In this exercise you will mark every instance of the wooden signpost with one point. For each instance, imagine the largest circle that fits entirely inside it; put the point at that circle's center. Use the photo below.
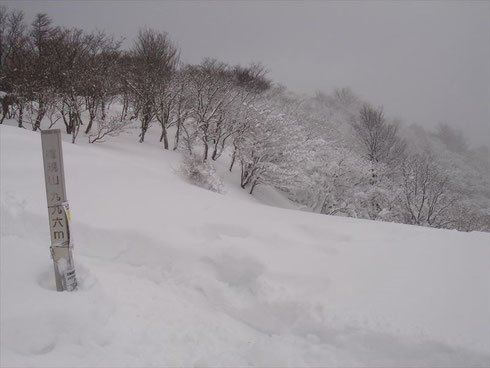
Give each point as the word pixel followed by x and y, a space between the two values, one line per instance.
pixel 58 211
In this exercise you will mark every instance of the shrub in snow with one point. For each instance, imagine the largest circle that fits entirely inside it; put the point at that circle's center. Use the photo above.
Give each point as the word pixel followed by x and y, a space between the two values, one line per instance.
pixel 107 126
pixel 201 173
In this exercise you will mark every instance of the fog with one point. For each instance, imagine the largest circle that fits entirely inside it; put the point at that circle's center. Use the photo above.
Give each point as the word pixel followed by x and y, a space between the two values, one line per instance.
pixel 424 62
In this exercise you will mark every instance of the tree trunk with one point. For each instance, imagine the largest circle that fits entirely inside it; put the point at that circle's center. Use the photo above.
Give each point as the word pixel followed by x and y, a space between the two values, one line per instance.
pixel 90 122
pixel 39 117
pixel 144 127
pixel 206 151
pixel 164 137
pixel 177 135
pixel 233 158
pixel 142 134
pixel 5 110
pixel 124 111
pixel 253 186
pixel 66 121
pixel 21 116
pixel 76 124
pixel 324 204
pixel 92 113
pixel 215 156
pixel 244 177
pixel 102 109
pixel 145 122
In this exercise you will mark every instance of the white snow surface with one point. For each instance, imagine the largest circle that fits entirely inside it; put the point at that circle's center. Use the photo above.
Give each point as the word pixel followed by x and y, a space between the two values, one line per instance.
pixel 174 275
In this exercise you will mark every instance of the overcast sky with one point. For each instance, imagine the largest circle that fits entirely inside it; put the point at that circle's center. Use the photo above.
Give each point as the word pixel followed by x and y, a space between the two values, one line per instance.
pixel 425 62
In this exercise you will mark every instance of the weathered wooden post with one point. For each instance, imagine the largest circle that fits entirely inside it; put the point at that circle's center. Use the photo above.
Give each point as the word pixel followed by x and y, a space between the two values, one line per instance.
pixel 58 211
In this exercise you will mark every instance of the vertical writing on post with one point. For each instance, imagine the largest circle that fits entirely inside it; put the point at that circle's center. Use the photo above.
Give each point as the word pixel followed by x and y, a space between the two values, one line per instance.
pixel 58 211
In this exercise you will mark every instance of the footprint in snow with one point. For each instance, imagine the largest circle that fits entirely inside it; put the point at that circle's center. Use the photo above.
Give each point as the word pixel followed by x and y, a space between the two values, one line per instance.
pixel 236 270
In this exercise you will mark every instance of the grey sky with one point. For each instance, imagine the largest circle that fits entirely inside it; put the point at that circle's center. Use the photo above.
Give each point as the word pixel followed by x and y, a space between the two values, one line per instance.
pixel 426 62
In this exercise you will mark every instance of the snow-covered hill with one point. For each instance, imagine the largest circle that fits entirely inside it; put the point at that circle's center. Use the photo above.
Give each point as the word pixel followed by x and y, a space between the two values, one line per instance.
pixel 173 275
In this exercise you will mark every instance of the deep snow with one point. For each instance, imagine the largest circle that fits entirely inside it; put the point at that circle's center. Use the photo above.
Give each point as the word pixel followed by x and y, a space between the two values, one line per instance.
pixel 173 275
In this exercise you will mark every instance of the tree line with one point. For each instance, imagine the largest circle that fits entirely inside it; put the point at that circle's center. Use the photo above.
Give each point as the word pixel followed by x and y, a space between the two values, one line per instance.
pixel 332 153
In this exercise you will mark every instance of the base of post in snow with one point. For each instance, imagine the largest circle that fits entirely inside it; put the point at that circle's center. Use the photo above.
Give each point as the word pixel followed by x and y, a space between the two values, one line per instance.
pixel 64 268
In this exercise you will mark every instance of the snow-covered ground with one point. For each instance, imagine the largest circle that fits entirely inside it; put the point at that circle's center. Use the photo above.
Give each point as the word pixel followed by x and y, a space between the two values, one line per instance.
pixel 173 275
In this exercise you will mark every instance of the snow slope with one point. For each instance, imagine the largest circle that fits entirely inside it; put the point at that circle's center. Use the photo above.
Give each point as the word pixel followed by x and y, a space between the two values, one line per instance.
pixel 173 275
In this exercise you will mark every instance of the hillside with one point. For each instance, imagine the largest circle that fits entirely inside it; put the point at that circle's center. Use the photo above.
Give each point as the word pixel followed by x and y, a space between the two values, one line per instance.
pixel 174 275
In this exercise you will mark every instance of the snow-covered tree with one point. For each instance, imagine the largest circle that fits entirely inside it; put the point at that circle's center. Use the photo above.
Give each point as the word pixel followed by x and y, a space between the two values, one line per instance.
pixel 266 152
pixel 378 139
pixel 212 93
pixel 452 138
pixel 426 198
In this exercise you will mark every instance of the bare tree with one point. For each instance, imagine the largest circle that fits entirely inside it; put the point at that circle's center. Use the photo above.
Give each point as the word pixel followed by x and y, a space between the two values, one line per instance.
pixel 426 196
pixel 14 62
pixel 153 60
pixel 72 49
pixel 181 106
pixel 452 138
pixel 101 78
pixel 171 106
pixel 219 96
pixel 210 92
pixel 12 34
pixel 377 138
pixel 249 83
pixel 41 89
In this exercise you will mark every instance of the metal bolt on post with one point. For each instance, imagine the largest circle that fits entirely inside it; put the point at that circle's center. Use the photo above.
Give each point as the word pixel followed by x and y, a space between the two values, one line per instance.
pixel 58 211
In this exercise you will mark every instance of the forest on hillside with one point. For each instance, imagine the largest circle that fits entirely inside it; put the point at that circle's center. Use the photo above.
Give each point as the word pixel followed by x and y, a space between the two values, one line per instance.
pixel 333 153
